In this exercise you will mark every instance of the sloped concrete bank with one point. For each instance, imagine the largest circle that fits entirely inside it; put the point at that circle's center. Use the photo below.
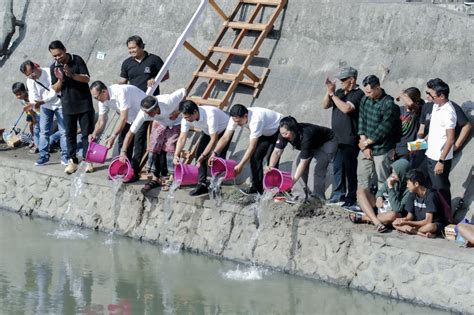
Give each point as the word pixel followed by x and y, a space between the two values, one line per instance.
pixel 318 244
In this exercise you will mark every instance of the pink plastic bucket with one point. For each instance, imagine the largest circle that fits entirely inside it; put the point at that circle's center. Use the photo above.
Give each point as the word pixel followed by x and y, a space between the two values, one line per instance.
pixel 96 153
pixel 276 178
pixel 186 174
pixel 118 169
pixel 225 167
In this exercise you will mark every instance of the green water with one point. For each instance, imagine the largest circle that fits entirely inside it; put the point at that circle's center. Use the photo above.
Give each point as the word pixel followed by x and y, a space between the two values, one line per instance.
pixel 45 269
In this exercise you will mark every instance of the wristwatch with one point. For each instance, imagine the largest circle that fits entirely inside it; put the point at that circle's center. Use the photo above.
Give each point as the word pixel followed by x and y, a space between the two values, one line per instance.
pixel 441 161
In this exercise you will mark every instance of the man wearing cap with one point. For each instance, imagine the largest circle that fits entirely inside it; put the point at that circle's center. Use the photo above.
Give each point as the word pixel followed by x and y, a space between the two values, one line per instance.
pixel 161 108
pixel 345 114
pixel 122 98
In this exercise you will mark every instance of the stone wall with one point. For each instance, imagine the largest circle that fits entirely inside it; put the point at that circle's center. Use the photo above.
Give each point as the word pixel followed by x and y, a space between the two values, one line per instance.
pixel 314 243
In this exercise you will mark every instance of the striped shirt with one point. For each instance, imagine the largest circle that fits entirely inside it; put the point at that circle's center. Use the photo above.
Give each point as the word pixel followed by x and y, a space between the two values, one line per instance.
pixel 377 124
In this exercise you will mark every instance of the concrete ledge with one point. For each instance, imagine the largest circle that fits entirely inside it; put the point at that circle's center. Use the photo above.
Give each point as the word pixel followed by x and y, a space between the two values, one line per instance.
pixel 323 246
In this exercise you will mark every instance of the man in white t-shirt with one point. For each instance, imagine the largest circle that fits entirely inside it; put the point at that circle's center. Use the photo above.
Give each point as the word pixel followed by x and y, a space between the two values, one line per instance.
pixel 441 137
pixel 263 125
pixel 125 101
pixel 161 108
pixel 47 102
pixel 212 122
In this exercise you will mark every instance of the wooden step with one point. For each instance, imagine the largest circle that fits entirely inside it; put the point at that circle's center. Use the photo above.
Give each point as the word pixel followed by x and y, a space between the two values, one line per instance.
pixel 215 75
pixel 205 101
pixel 263 2
pixel 233 51
pixel 246 26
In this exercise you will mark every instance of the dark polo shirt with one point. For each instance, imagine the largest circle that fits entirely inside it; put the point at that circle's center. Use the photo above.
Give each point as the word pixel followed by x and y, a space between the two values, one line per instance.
pixel 310 138
pixel 138 73
pixel 75 96
pixel 345 125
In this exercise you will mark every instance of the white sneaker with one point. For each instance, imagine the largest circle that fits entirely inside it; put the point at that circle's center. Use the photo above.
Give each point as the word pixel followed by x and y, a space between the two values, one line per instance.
pixel 71 167
pixel 89 168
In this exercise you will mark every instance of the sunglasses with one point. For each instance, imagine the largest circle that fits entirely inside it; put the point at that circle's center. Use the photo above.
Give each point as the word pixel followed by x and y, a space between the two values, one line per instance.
pixel 429 94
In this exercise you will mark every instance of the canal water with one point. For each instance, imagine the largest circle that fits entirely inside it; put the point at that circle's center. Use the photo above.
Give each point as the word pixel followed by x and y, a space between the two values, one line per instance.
pixel 46 268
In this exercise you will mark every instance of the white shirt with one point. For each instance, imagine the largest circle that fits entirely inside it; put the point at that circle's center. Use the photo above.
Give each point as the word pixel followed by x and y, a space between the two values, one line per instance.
pixel 168 103
pixel 211 120
pixel 36 92
pixel 442 118
pixel 123 97
pixel 261 122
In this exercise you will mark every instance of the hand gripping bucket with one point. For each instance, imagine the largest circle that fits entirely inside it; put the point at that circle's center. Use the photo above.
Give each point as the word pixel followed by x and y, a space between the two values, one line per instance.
pixel 96 153
pixel 186 174
pixel 225 167
pixel 276 178
pixel 118 169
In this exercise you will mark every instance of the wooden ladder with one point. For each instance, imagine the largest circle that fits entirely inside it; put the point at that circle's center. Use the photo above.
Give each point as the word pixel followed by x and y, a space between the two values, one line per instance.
pixel 216 72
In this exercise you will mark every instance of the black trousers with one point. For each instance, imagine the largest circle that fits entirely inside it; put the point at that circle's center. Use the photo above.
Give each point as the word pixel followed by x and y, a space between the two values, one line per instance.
pixel 86 124
pixel 440 182
pixel 203 142
pixel 264 149
pixel 345 170
pixel 121 138
pixel 139 146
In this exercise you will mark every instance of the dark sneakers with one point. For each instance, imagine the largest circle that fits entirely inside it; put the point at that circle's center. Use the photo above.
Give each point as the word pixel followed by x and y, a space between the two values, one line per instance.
pixel 199 190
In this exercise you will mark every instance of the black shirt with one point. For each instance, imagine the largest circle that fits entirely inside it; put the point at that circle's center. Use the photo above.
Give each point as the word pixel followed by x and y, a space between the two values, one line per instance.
pixel 427 109
pixel 138 73
pixel 410 126
pixel 75 96
pixel 420 206
pixel 308 140
pixel 345 125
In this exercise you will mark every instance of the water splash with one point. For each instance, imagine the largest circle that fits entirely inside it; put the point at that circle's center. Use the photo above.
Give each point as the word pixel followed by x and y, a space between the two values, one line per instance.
pixel 248 274
pixel 171 249
pixel 76 188
pixel 69 234
pixel 116 185
pixel 261 202
pixel 169 201
pixel 215 190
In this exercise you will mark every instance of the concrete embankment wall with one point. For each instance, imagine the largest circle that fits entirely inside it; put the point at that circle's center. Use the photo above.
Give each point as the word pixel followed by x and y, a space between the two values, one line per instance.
pixel 404 43
pixel 320 244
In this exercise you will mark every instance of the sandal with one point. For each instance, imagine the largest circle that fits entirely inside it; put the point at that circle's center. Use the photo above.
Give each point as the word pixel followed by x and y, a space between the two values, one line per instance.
pixel 150 185
pixel 356 217
pixel 166 183
pixel 381 228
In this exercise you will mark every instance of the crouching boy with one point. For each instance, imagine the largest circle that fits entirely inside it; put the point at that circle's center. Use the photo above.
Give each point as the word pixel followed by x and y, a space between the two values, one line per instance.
pixel 424 209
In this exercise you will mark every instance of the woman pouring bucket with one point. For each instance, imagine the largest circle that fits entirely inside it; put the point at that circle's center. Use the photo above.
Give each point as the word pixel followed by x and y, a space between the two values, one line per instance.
pixel 317 147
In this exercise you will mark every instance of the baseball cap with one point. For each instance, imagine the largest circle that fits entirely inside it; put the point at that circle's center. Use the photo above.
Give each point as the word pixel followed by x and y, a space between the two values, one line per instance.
pixel 347 72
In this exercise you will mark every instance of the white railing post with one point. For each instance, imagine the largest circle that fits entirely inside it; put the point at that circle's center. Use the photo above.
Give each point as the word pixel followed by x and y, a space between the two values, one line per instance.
pixel 179 43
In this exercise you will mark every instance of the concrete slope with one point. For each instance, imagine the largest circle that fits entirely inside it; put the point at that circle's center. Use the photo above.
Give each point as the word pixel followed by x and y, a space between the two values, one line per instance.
pixel 404 43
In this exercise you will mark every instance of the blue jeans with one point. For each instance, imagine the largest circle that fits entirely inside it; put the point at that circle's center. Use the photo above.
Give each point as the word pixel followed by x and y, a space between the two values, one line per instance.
pixel 46 124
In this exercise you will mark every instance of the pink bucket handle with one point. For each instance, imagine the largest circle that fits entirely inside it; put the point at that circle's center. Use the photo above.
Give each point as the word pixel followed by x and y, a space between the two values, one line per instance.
pixel 221 166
